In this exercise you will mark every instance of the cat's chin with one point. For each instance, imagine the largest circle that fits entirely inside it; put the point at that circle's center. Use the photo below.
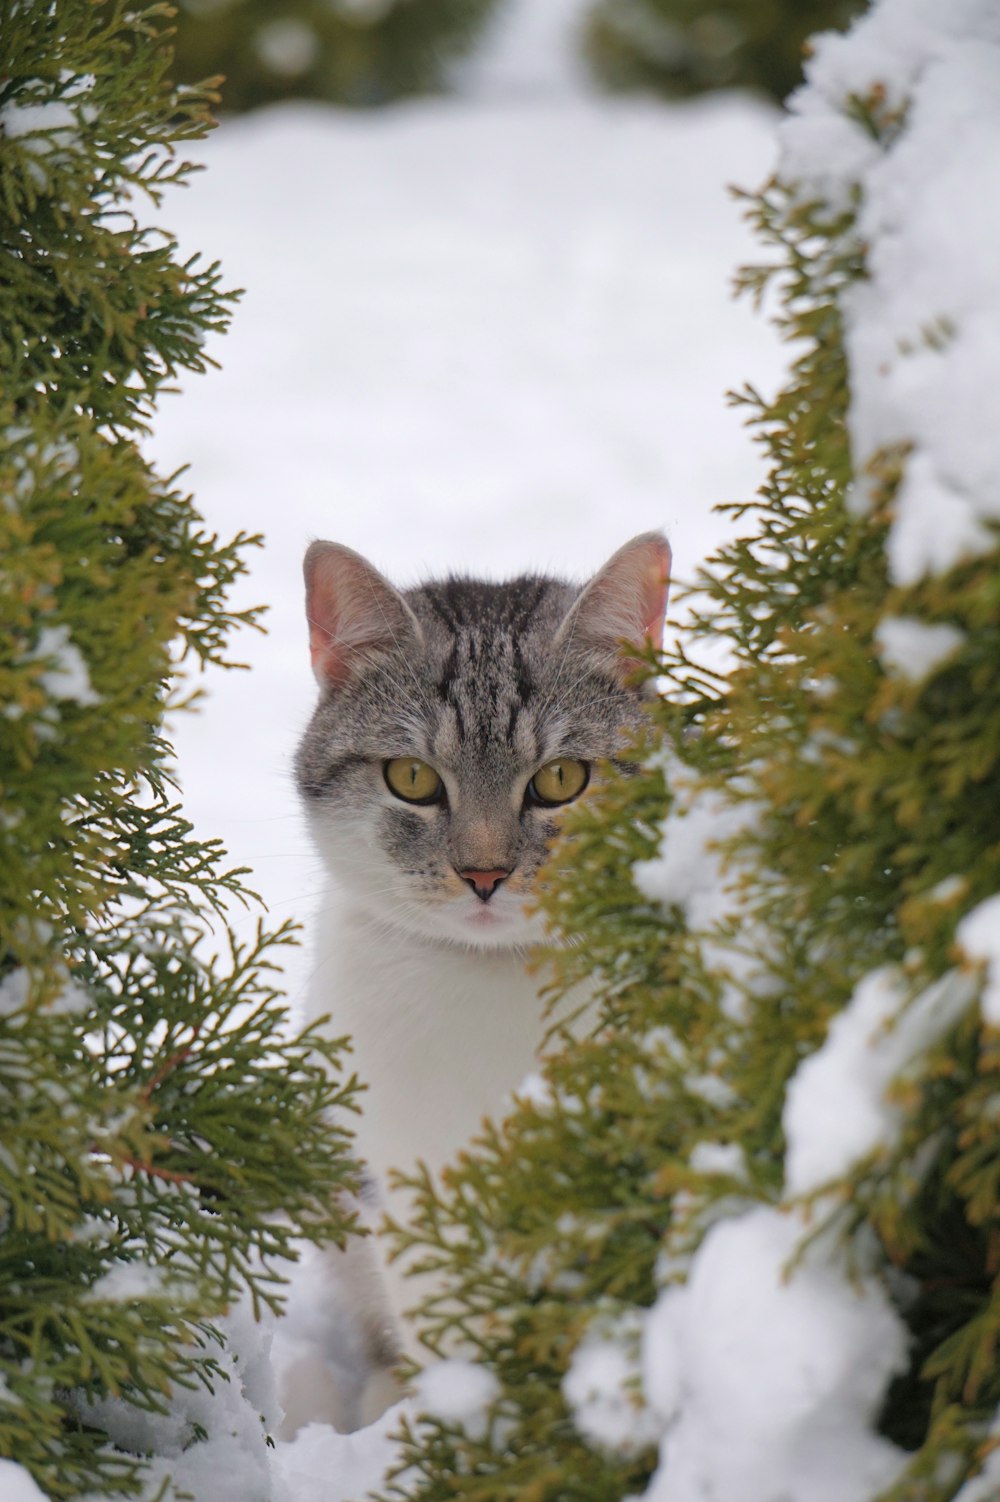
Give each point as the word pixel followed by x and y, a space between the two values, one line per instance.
pixel 475 926
pixel 483 928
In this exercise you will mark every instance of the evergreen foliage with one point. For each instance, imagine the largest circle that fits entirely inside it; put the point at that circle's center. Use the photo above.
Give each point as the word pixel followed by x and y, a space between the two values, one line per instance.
pixel 354 52
pixel 680 47
pixel 853 813
pixel 164 1137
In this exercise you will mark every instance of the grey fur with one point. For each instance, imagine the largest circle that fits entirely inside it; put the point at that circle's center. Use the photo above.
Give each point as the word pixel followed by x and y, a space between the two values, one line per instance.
pixel 475 679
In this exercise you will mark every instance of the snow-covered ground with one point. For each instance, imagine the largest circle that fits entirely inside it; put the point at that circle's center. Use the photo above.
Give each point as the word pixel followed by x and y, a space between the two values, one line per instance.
pixel 490 333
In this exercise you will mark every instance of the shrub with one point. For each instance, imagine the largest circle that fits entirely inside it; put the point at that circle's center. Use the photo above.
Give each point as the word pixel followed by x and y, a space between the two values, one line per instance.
pixel 163 1136
pixel 355 52
pixel 680 47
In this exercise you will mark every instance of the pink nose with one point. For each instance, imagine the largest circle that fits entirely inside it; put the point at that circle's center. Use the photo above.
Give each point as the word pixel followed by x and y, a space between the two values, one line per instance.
pixel 484 883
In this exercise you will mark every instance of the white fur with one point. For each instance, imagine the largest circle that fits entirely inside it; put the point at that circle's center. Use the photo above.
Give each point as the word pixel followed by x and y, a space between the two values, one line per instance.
pixel 442 1035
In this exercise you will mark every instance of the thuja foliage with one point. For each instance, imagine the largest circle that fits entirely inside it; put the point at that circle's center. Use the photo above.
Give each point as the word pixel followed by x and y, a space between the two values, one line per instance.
pixel 354 52
pixel 163 1135
pixel 680 47
pixel 860 827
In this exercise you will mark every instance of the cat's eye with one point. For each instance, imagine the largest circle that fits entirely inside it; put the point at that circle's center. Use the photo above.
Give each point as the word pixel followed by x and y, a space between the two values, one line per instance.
pixel 558 782
pixel 412 780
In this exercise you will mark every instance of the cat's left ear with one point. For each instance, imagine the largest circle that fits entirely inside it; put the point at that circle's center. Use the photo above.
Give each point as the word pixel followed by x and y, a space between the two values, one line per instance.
pixel 626 601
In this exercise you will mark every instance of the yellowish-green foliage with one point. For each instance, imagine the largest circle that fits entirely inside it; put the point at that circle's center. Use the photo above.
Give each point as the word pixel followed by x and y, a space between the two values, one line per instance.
pixel 342 51
pixel 680 47
pixel 155 1113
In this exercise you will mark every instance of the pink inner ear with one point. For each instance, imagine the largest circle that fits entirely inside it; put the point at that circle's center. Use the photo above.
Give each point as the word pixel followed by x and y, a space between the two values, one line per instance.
pixel 636 583
pixel 352 611
pixel 321 610
pixel 327 572
pixel 624 601
pixel 657 590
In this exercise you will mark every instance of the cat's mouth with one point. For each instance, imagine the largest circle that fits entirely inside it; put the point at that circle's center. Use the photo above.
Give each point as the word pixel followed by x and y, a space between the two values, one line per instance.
pixel 486 917
pixel 500 923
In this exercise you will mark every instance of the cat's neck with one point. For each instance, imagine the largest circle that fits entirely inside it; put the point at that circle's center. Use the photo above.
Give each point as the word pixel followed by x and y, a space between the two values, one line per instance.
pixel 442 1035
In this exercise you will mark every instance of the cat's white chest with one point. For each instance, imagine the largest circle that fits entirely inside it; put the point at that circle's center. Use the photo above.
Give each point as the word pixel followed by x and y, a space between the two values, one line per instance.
pixel 442 1035
pixel 441 1038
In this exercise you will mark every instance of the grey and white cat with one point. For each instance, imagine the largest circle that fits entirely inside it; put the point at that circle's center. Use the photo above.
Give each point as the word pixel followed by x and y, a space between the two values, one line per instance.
pixel 455 721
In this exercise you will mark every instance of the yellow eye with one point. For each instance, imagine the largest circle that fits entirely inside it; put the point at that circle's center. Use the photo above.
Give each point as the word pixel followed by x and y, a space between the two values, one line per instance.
pixel 559 782
pixel 413 780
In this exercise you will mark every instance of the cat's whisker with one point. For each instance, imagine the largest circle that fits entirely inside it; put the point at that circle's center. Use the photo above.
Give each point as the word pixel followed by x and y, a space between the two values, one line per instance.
pixel 302 897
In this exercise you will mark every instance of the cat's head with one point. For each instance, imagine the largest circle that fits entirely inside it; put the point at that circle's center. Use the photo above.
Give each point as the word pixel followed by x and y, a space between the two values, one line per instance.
pixel 455 721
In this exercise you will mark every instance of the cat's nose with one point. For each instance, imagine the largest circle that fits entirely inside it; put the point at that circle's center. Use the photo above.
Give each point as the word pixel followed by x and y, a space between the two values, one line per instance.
pixel 484 883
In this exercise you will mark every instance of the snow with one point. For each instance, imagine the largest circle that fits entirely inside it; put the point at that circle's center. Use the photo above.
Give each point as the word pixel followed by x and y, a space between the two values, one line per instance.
pixel 537 1091
pixel 825 153
pixel 47 130
pixel 767 1379
pixel 922 329
pixel 691 870
pixel 532 50
pixel 726 1158
pixel 458 1393
pixel 15 991
pixel 16 1485
pixel 128 1281
pixel 66 676
pixel 38 122
pixel 979 935
pixel 215 1444
pixel 603 1388
pixel 695 872
pixel 320 1465
pixel 912 648
pixel 836 1105
pixel 67 997
pixel 710 1088
pixel 920 541
pixel 986 1486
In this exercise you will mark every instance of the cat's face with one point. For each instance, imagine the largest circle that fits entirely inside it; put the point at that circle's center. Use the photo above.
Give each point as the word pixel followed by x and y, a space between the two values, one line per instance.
pixel 456 721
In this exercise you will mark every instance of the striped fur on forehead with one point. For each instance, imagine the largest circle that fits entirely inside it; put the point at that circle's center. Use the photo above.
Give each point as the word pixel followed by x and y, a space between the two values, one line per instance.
pixel 494 643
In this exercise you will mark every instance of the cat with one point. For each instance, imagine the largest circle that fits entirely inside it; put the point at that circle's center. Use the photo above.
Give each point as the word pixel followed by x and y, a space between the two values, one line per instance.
pixel 455 721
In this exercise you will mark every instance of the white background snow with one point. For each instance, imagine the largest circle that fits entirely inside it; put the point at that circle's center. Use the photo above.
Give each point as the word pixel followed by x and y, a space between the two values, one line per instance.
pixel 489 333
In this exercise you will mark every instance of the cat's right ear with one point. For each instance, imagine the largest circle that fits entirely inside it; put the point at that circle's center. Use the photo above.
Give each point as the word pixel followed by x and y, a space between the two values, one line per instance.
pixel 354 613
